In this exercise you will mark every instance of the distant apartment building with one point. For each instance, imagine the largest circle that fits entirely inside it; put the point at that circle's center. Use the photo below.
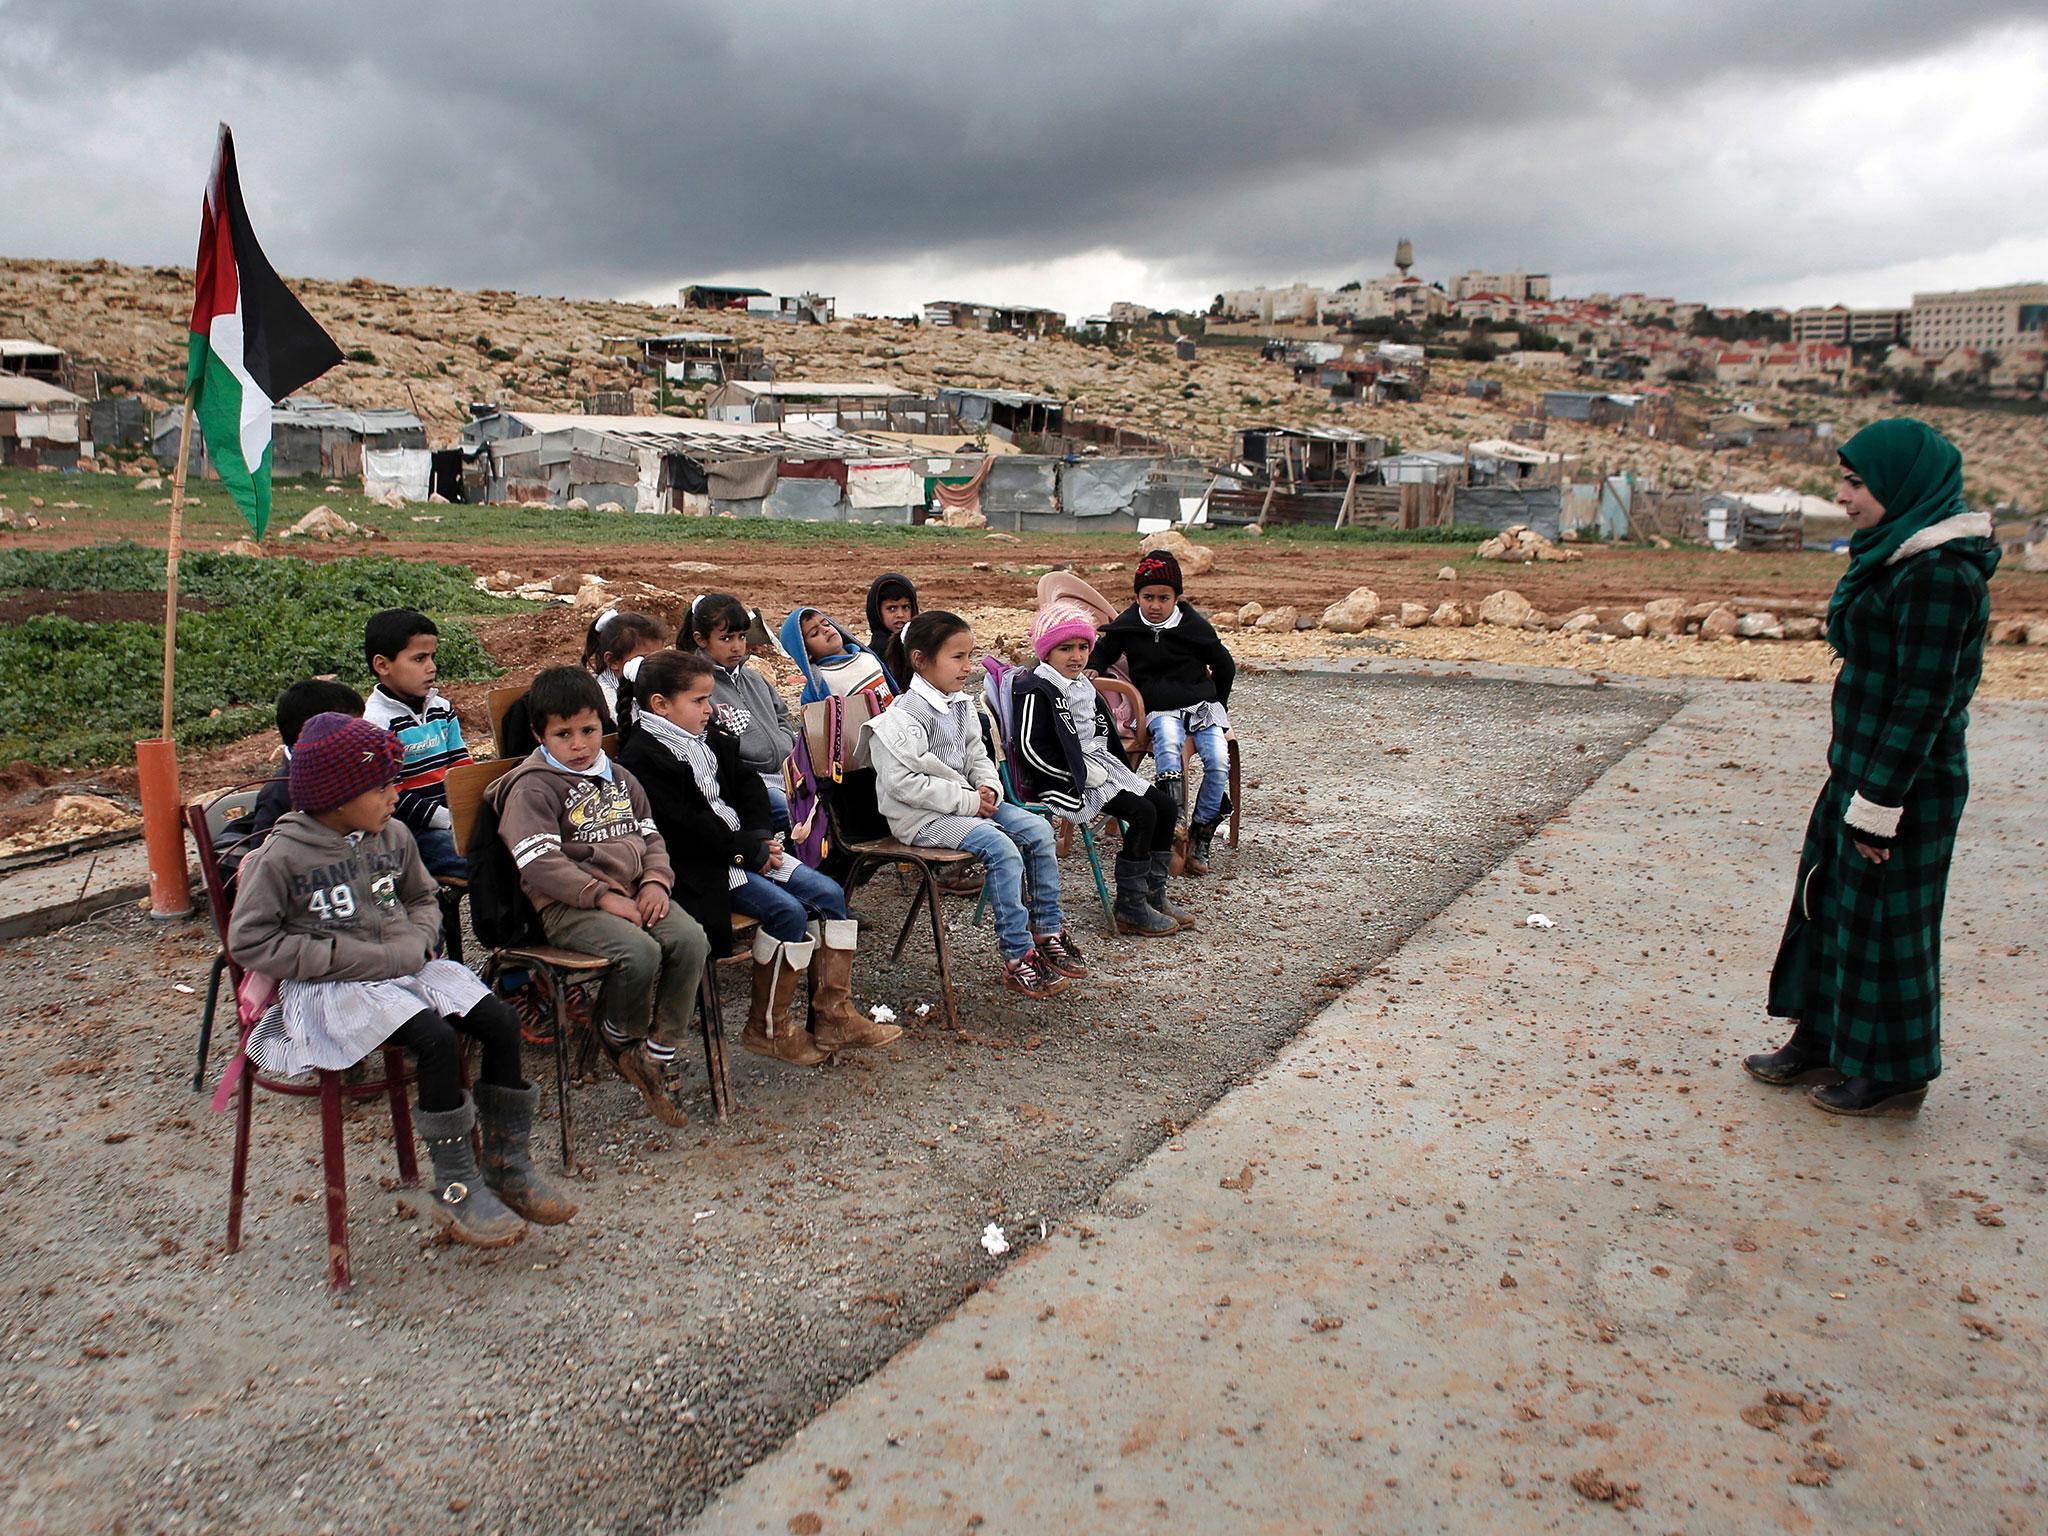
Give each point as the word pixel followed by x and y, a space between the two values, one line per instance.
pixel 1301 302
pixel 1991 319
pixel 1124 312
pixel 1518 286
pixel 1840 326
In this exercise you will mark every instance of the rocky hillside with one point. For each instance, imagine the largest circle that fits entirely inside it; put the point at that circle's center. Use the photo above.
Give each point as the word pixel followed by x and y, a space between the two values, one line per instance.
pixel 437 349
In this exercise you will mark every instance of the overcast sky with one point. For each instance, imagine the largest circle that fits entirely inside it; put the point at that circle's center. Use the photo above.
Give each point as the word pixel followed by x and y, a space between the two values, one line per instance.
pixel 1060 153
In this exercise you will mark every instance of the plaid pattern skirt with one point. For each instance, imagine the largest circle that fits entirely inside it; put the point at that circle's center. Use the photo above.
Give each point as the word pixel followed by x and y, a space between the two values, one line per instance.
pixel 1860 961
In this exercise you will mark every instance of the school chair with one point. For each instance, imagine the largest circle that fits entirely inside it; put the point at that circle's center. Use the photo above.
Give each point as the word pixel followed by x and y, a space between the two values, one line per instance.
pixel 1140 747
pixel 999 705
pixel 552 970
pixel 220 814
pixel 242 1078
pixel 861 839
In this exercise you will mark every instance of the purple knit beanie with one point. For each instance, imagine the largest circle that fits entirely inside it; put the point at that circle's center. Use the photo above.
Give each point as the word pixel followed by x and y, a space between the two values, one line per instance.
pixel 339 757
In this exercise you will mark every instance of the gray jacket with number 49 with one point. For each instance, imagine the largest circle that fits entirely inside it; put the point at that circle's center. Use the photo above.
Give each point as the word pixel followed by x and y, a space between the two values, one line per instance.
pixel 312 905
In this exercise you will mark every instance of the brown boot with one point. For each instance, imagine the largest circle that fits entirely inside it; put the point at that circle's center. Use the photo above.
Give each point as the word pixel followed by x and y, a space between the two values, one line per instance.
pixel 840 1025
pixel 773 1028
pixel 648 1080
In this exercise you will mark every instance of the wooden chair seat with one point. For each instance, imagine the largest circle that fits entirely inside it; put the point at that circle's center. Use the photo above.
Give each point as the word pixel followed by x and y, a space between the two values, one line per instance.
pixel 909 853
pixel 559 959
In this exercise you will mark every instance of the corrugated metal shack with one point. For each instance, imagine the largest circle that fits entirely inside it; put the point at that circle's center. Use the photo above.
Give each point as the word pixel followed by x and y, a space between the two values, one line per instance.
pixel 31 359
pixel 1007 413
pixel 307 437
pixel 688 356
pixel 41 424
pixel 850 406
pixel 1315 475
pixel 668 464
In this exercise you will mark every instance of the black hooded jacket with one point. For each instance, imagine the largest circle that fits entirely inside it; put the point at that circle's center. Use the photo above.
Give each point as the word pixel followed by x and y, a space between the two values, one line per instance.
pixel 1173 668
pixel 701 846
pixel 885 645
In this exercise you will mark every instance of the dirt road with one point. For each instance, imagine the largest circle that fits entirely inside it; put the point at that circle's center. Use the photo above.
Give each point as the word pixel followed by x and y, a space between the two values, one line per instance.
pixel 722 1284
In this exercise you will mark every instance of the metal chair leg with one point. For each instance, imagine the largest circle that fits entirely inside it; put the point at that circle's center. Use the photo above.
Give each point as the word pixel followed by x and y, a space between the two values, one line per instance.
pixel 711 1018
pixel 1101 886
pixel 338 1279
pixel 1236 798
pixel 931 897
pixel 560 994
pixel 220 966
pixel 238 1184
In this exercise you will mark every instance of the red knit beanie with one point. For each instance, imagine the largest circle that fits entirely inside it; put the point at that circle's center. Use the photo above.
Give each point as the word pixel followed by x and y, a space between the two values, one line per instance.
pixel 339 757
pixel 1158 569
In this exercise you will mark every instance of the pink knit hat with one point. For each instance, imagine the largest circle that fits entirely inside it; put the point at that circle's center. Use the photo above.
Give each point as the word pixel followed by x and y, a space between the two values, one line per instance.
pixel 1058 622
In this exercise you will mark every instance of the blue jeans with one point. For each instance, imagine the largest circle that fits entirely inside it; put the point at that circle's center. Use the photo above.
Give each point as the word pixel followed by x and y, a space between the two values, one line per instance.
pixel 437 852
pixel 778 802
pixel 1011 844
pixel 785 911
pixel 1168 738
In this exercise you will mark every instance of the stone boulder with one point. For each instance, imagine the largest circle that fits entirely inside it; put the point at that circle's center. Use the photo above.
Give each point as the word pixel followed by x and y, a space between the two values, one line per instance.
pixel 1447 573
pixel 1452 615
pixel 1581 623
pixel 1248 615
pixel 1414 615
pixel 1521 543
pixel 322 523
pixel 1666 615
pixel 1759 626
pixel 1635 622
pixel 610 506
pixel 247 549
pixel 1508 609
pixel 1800 627
pixel 1281 619
pixel 578 504
pixel 1195 559
pixel 1353 613
pixel 1719 625
pixel 2010 632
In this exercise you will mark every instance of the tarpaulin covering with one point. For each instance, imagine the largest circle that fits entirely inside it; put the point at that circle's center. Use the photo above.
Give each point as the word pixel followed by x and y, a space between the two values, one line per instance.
pixel 1018 484
pixel 815 469
pixel 883 483
pixel 805 500
pixel 1502 506
pixel 742 479
pixel 407 471
pixel 1095 487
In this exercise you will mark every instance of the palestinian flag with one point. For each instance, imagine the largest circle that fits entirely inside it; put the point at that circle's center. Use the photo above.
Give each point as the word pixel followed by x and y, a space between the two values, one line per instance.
pixel 252 343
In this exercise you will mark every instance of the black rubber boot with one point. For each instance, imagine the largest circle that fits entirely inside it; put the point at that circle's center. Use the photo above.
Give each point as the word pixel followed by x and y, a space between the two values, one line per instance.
pixel 1869 1096
pixel 1134 912
pixel 1200 835
pixel 507 1117
pixel 1158 868
pixel 1800 1059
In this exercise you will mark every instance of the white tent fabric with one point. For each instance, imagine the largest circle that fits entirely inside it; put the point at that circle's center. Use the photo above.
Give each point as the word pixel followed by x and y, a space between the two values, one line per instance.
pixel 408 471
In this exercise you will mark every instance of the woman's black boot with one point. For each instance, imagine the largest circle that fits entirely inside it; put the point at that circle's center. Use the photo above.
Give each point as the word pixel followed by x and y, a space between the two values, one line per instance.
pixel 1804 1056
pixel 1869 1096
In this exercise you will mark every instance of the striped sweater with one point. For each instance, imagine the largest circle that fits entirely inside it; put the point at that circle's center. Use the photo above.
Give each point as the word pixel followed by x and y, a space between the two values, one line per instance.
pixel 432 738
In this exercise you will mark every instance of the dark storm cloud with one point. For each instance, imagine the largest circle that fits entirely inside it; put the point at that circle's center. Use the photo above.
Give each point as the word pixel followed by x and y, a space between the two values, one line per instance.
pixel 608 147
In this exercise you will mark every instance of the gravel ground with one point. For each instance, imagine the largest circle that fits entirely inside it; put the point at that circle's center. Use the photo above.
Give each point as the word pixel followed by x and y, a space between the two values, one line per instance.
pixel 722 1284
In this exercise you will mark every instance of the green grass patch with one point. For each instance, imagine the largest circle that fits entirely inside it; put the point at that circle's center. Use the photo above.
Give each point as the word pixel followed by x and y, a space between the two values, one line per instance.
pixel 76 695
pixel 1295 533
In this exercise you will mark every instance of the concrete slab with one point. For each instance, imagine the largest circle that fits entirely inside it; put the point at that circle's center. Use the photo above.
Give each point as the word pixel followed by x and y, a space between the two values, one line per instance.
pixel 1506 1232
pixel 45 898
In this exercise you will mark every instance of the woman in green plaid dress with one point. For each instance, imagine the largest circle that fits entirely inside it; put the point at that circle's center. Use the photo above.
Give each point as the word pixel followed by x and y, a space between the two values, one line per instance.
pixel 1859 969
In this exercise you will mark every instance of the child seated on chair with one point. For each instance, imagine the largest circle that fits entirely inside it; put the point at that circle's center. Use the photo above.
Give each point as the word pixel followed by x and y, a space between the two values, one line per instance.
pixel 892 604
pixel 938 788
pixel 399 644
pixel 743 701
pixel 295 706
pixel 1185 674
pixel 716 822
pixel 337 906
pixel 612 652
pixel 1068 743
pixel 589 857
pixel 832 661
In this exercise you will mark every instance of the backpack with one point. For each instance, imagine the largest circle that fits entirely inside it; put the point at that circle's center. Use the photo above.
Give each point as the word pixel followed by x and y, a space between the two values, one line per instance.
pixel 821 780
pixel 499 910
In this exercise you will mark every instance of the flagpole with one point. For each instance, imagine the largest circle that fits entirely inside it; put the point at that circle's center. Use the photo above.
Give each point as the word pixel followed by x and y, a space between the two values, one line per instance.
pixel 156 762
pixel 171 564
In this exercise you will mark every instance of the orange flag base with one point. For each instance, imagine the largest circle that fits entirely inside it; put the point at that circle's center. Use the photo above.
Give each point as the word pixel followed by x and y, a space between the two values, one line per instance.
pixel 163 830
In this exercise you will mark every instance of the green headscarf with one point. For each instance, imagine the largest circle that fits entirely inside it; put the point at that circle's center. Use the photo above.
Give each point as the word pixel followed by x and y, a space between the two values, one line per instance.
pixel 1918 475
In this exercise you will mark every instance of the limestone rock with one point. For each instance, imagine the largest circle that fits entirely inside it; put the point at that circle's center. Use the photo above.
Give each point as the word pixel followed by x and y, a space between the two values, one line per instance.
pixel 1414 615
pixel 1635 622
pixel 248 549
pixel 1509 609
pixel 1719 625
pixel 2037 632
pixel 1254 531
pixel 578 504
pixel 1580 624
pixel 592 594
pixel 1281 618
pixel 322 523
pixel 1195 559
pixel 1759 626
pixel 610 506
pixel 692 567
pixel 1248 615
pixel 1666 615
pixel 962 517
pixel 1447 573
pixel 2010 632
pixel 1452 615
pixel 1353 612
pixel 1521 543
pixel 1800 627
pixel 150 483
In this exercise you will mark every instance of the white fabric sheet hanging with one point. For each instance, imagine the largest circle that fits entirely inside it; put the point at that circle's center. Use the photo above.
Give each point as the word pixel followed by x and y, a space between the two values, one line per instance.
pixel 407 471
pixel 883 483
